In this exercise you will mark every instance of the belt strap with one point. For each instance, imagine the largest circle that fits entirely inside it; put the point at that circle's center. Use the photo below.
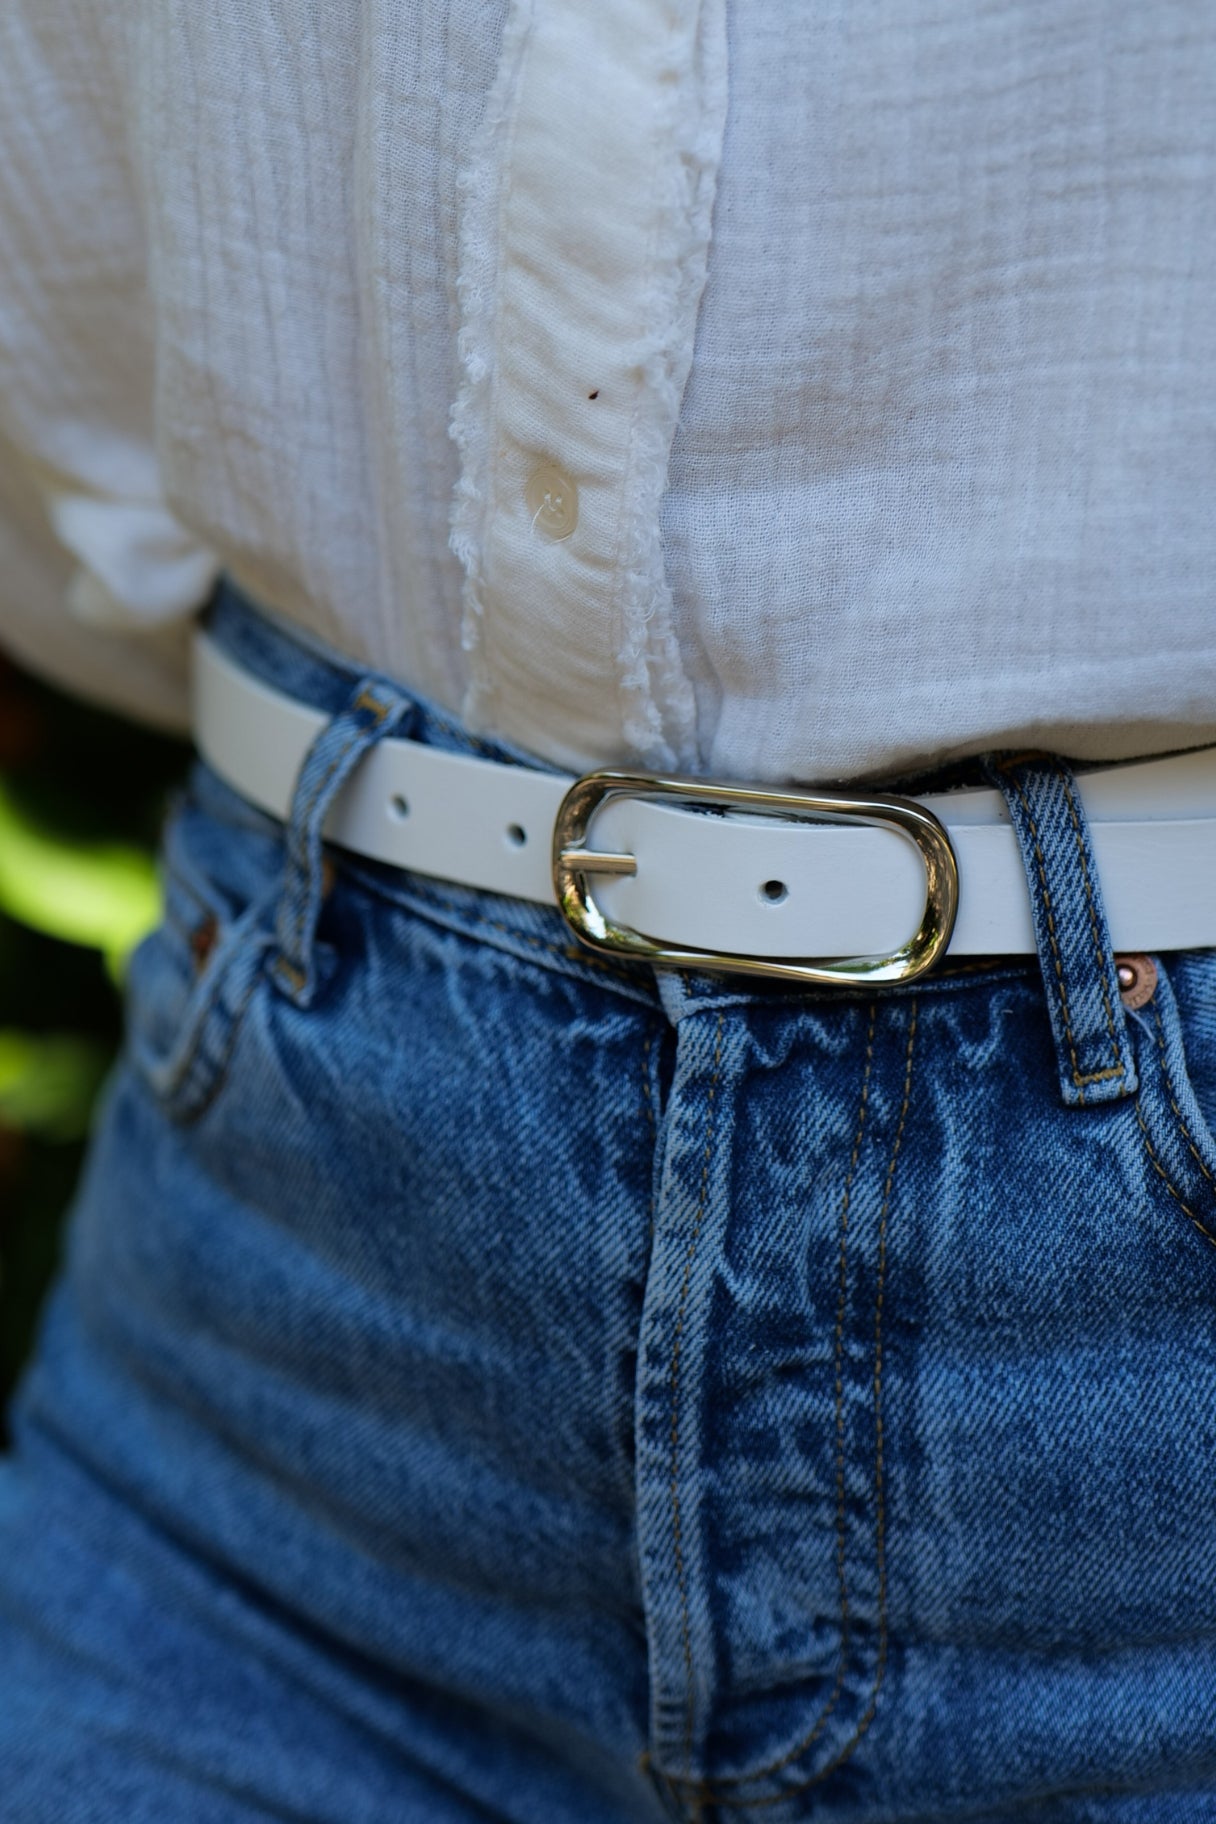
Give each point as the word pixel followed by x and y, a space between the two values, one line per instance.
pixel 729 882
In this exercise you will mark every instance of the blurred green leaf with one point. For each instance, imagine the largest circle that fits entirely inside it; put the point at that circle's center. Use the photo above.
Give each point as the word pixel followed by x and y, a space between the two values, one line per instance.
pixel 102 895
pixel 48 1083
pixel 83 797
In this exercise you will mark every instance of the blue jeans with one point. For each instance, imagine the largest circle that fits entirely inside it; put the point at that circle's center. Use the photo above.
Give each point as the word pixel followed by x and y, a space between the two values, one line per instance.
pixel 491 1384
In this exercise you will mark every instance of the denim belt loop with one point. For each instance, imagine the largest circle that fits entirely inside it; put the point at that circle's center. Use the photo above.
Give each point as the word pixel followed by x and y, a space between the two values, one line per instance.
pixel 1093 1055
pixel 373 712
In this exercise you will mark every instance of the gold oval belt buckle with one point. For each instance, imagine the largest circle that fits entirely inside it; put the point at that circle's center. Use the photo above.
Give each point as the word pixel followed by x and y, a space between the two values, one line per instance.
pixel 574 862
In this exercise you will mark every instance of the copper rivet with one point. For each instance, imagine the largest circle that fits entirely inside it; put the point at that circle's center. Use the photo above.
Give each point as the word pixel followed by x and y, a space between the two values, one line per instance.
pixel 1137 977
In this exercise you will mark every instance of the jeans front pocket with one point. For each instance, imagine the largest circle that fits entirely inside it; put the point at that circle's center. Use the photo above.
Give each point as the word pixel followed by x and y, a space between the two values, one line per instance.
pixel 1176 1051
pixel 191 982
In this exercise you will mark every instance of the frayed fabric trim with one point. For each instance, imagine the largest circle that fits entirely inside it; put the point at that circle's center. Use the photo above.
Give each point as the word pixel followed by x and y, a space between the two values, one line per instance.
pixel 482 188
pixel 652 674
pixel 586 214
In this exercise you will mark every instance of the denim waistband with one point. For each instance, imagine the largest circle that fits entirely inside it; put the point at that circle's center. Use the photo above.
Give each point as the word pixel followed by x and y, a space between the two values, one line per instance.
pixel 292 662
pixel 1076 960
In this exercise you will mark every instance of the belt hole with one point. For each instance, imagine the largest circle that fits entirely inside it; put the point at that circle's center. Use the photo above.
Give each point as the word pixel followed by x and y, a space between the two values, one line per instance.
pixel 399 807
pixel 774 891
pixel 516 835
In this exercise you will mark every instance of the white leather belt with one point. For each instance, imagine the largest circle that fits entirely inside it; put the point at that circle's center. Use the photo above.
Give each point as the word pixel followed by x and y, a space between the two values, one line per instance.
pixel 755 887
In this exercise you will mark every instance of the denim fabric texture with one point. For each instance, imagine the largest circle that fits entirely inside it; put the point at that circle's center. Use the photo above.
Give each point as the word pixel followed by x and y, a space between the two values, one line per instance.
pixel 490 1385
pixel 1079 975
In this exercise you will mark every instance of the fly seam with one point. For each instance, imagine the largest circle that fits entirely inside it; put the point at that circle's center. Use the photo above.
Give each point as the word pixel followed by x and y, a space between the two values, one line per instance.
pixel 646 1095
pixel 1169 1090
pixel 880 1671
pixel 800 1747
pixel 871 1708
pixel 676 1525
pixel 1093 918
pixel 652 1126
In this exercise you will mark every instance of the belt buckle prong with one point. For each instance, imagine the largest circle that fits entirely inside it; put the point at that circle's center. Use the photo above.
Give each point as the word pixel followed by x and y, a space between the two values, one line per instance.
pixel 574 863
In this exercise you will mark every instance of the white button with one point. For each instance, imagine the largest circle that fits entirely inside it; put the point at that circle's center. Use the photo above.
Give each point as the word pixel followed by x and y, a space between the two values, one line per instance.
pixel 552 501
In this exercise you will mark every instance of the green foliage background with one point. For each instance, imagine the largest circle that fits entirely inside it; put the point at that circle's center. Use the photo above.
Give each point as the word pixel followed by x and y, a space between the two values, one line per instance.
pixel 82 796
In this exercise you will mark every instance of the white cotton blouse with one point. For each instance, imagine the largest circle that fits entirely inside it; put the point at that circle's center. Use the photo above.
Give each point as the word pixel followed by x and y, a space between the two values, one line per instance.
pixel 794 390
